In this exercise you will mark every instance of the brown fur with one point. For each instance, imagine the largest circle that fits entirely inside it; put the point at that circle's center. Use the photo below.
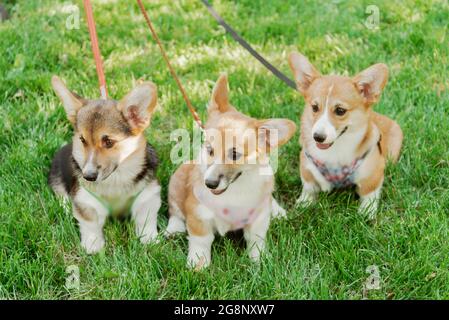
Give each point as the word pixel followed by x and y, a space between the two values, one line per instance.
pixel 306 175
pixel 100 125
pixel 95 121
pixel 84 213
pixel 392 135
pixel 101 132
pixel 357 96
pixel 223 117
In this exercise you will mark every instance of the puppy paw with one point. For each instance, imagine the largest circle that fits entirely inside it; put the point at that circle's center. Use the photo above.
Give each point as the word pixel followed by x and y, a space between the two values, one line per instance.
pixel 175 225
pixel 256 251
pixel 149 237
pixel 197 262
pixel 306 199
pixel 199 251
pixel 92 243
pixel 369 209
pixel 277 211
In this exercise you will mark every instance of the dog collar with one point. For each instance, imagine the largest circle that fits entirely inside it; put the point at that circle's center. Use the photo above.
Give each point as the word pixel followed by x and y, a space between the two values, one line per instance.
pixel 338 177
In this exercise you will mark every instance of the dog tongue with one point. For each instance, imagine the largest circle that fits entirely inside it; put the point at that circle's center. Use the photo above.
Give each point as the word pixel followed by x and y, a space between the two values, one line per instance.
pixel 323 146
pixel 217 192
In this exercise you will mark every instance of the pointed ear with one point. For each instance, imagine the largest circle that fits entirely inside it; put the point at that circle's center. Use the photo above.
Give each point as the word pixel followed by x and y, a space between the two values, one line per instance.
pixel 370 82
pixel 303 71
pixel 220 95
pixel 71 101
pixel 273 133
pixel 138 106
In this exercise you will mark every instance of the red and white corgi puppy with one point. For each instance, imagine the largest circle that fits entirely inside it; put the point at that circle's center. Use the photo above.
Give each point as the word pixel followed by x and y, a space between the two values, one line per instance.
pixel 344 142
pixel 108 168
pixel 230 186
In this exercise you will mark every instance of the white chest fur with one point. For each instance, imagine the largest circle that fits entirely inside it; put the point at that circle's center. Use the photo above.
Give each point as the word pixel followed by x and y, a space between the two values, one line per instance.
pixel 342 152
pixel 119 189
pixel 245 196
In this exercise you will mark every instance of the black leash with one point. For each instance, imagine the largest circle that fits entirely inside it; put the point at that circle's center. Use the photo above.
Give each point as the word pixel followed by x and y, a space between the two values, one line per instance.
pixel 248 47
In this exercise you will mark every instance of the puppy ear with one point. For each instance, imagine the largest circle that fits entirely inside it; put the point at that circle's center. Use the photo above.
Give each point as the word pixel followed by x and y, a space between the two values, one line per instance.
pixel 273 133
pixel 138 106
pixel 303 71
pixel 370 82
pixel 220 95
pixel 71 101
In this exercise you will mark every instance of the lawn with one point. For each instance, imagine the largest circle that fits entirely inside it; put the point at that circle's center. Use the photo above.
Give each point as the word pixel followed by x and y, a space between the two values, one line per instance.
pixel 321 252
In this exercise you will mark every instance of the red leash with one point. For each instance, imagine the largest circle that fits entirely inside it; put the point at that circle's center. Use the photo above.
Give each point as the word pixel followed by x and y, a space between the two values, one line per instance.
pixel 167 61
pixel 99 64
pixel 95 48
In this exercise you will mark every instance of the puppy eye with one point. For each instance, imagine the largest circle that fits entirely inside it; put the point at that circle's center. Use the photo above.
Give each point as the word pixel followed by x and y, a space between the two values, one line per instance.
pixel 107 143
pixel 234 154
pixel 339 111
pixel 83 141
pixel 315 107
pixel 210 150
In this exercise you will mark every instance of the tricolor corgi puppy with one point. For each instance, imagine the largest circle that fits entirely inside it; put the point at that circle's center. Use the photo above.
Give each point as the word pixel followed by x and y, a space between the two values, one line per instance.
pixel 344 142
pixel 108 168
pixel 230 186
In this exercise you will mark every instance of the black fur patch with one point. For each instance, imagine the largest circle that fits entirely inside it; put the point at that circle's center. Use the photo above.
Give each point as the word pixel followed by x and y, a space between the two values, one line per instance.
pixel 379 145
pixel 149 166
pixel 62 170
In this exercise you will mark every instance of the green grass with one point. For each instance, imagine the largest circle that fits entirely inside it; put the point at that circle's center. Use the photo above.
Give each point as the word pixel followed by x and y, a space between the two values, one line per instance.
pixel 317 253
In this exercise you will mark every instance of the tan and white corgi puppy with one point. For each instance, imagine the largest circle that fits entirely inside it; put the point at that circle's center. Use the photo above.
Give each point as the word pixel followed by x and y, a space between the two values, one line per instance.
pixel 230 186
pixel 344 142
pixel 108 168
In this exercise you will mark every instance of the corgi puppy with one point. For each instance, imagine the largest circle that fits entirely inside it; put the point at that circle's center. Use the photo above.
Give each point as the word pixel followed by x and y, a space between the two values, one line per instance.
pixel 230 186
pixel 344 142
pixel 108 168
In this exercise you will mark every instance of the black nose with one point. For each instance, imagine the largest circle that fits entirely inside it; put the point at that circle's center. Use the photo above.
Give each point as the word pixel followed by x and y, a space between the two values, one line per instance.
pixel 319 137
pixel 91 176
pixel 212 184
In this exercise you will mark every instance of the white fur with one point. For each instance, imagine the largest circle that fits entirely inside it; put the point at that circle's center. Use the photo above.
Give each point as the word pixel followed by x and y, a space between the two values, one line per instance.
pixel 92 239
pixel 323 183
pixel 199 256
pixel 90 165
pixel 344 148
pixel 205 213
pixel 255 234
pixel 176 221
pixel 128 146
pixel 175 225
pixel 277 212
pixel 324 126
pixel 369 203
pixel 144 212
pixel 308 194
pixel 59 188
pixel 120 184
pixel 246 190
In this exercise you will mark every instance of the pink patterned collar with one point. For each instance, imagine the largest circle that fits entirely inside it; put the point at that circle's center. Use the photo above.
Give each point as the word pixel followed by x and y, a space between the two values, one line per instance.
pixel 338 177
